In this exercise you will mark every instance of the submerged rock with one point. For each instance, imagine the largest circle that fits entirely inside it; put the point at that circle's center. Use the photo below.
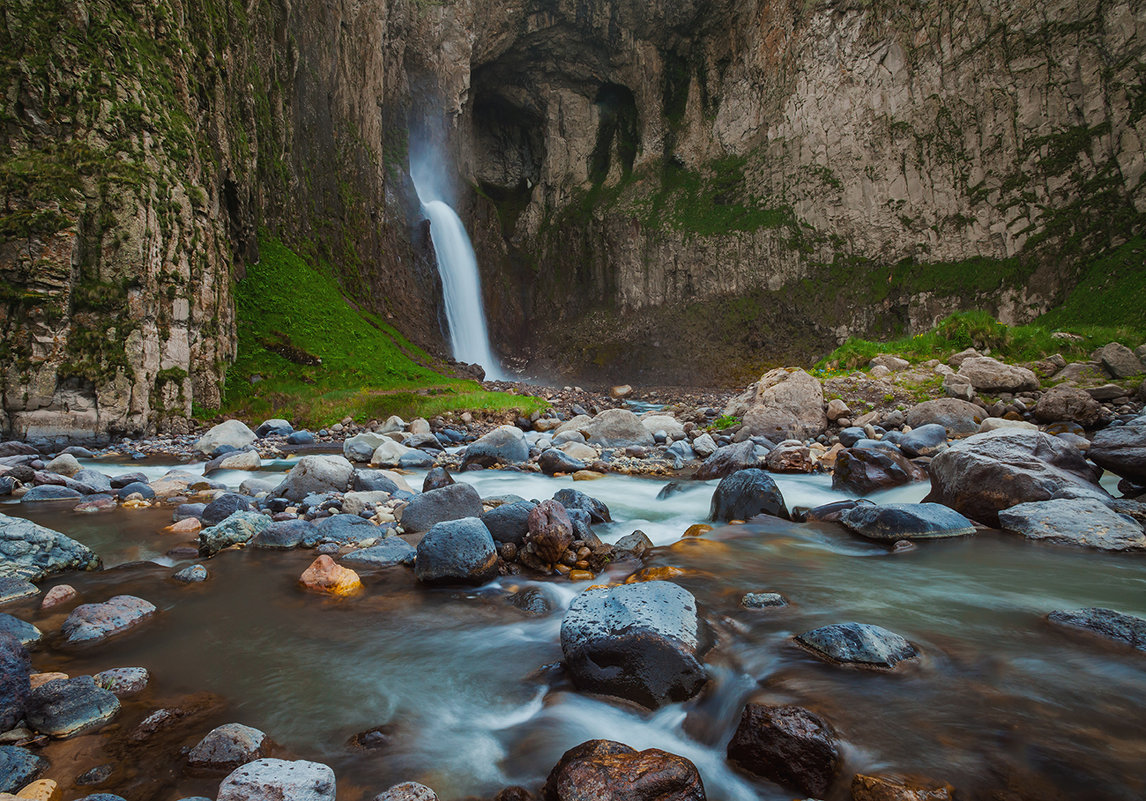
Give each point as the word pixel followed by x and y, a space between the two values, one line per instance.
pixel 745 494
pixel 67 707
pixel 279 780
pixel 643 642
pixel 18 767
pixel 389 552
pixel 92 623
pixel 863 470
pixel 1106 623
pixel 456 552
pixel 240 527
pixel 906 521
pixel 452 502
pixel 1075 521
pixel 604 770
pixel 227 747
pixel 193 574
pixel 15 668
pixel 788 745
pixel 895 788
pixel 858 644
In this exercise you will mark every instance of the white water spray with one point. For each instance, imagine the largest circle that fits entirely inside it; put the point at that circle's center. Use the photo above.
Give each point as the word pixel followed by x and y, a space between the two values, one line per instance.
pixel 461 282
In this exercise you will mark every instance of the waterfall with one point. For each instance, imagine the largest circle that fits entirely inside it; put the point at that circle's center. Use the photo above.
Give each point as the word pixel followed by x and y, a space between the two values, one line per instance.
pixel 461 282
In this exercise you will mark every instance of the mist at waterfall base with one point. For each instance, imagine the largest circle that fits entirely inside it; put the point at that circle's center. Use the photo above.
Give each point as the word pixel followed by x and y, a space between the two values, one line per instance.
pixel 458 267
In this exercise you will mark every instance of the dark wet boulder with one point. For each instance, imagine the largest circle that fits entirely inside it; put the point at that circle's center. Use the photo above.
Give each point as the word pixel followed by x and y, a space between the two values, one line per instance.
pixel 1075 521
pixel 989 472
pixel 927 440
pixel 959 417
pixel 788 745
pixel 604 770
pixel 18 767
pixel 531 601
pixel 643 642
pixel 637 543
pixel 343 529
pixel 452 502
pixel 223 507
pixel 575 499
pixel 33 552
pixel 239 528
pixel 28 635
pixel 387 553
pixel 15 668
pixel 828 512
pixel 13 589
pixel 858 645
pixel 66 707
pixel 1122 450
pixel 863 470
pixel 279 780
pixel 1106 623
pixel 728 460
pixel 436 479
pixel 139 488
pixel 745 494
pixel 93 623
pixel 227 747
pixel 283 535
pixel 50 492
pixel 456 552
pixel 374 481
pixel 509 522
pixel 550 531
pixel 553 461
pixel 906 521
pixel 124 479
pixel 503 445
pixel 95 480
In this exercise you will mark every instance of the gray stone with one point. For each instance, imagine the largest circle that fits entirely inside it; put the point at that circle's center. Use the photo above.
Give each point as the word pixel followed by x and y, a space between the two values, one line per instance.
pixel 1067 403
pixel 926 440
pixel 727 460
pixel 233 433
pixel 344 528
pixel 637 543
pixel 1122 450
pixel 361 447
pixel 389 552
pixel 704 446
pixel 862 470
pixel 745 494
pixel 553 461
pixel 316 474
pixel 643 642
pixel 283 535
pixel 92 623
pixel 574 499
pixel 300 438
pixel 223 507
pixel 617 428
pixel 13 589
pixel 509 522
pixel 785 400
pixel 1107 623
pixel 238 528
pixel 18 767
pixel 453 502
pixel 503 445
pixel 15 668
pixel 50 492
pixel 959 417
pixel 279 780
pixel 407 791
pixel 456 552
pixel 373 481
pixel 25 632
pixel 415 460
pixel 858 644
pixel 275 427
pixel 906 521
pixel 65 465
pixel 191 575
pixel 33 552
pixel 1074 521
pixel 122 682
pixel 1120 361
pixel 227 747
pixel 990 375
pixel 763 600
pixel 63 708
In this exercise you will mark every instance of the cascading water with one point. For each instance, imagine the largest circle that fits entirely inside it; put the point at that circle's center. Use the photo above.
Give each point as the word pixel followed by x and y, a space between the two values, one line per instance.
pixel 461 282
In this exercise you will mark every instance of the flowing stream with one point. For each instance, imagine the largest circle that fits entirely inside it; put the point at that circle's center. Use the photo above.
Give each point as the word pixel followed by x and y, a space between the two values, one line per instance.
pixel 468 688
pixel 461 281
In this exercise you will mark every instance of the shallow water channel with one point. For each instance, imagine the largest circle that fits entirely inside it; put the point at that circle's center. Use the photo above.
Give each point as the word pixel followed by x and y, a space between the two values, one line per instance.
pixel 1001 705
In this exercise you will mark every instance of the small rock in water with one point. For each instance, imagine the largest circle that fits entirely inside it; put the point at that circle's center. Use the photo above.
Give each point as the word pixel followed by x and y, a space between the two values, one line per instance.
pixel 906 521
pixel 227 747
pixel 894 788
pixel 122 682
pixel 279 780
pixel 407 791
pixel 387 553
pixel 858 644
pixel 550 531
pixel 436 479
pixel 325 575
pixel 18 767
pixel 1107 623
pixel 67 707
pixel 91 623
pixel 605 770
pixel 763 600
pixel 574 499
pixel 745 494
pixel 788 745
pixel 191 575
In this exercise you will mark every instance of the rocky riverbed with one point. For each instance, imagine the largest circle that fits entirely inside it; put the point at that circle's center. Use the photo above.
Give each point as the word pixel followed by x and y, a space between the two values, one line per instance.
pixel 814 587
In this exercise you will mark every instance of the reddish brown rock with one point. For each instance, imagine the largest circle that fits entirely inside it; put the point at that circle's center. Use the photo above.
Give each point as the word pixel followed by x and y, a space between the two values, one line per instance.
pixel 788 745
pixel 60 594
pixel 893 788
pixel 550 530
pixel 604 770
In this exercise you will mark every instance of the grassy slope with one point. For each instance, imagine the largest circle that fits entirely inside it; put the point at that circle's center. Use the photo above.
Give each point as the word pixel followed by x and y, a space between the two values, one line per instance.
pixel 291 314
pixel 1108 305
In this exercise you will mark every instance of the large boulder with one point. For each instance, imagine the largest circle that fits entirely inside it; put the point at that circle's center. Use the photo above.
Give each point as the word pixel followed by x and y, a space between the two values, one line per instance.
pixel 361 447
pixel 15 668
pixel 509 522
pixel 986 473
pixel 503 445
pixel 316 475
pixel 389 453
pixel 227 747
pixel 745 494
pixel 959 417
pixel 788 745
pixel 283 535
pixel 66 707
pixel 906 521
pixel 238 528
pixel 1114 626
pixel 279 780
pixel 605 770
pixel 18 767
pixel 793 392
pixel 31 551
pixel 575 499
pixel 275 427
pixel 456 552
pixel 643 642
pixel 1120 361
pixel 553 461
pixel 858 645
pixel 617 428
pixel 550 531
pixel 387 553
pixel 926 440
pixel 658 421
pixel 863 470
pixel 1122 450
pixel 1074 521
pixel 232 433
pixel 452 502
pixel 27 634
pixel 990 375
pixel 93 623
pixel 1067 403
pixel 727 460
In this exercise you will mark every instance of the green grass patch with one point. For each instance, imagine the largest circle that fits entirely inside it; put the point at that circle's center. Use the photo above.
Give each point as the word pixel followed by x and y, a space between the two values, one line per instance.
pixel 1111 292
pixel 307 354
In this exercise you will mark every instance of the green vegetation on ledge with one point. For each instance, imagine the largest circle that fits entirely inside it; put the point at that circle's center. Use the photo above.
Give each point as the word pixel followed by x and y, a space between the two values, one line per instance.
pixel 307 354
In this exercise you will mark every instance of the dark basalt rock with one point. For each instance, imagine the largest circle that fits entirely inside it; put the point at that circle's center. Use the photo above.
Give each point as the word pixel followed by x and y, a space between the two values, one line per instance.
pixel 15 668
pixel 18 767
pixel 906 521
pixel 66 707
pixel 858 645
pixel 927 440
pixel 509 522
pixel 788 745
pixel 223 507
pixel 574 499
pixel 453 502
pixel 553 461
pixel 373 481
pixel 284 535
pixel 745 494
pixel 387 553
pixel 436 479
pixel 456 552
pixel 604 770
pixel 728 460
pixel 864 470
pixel 1106 623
